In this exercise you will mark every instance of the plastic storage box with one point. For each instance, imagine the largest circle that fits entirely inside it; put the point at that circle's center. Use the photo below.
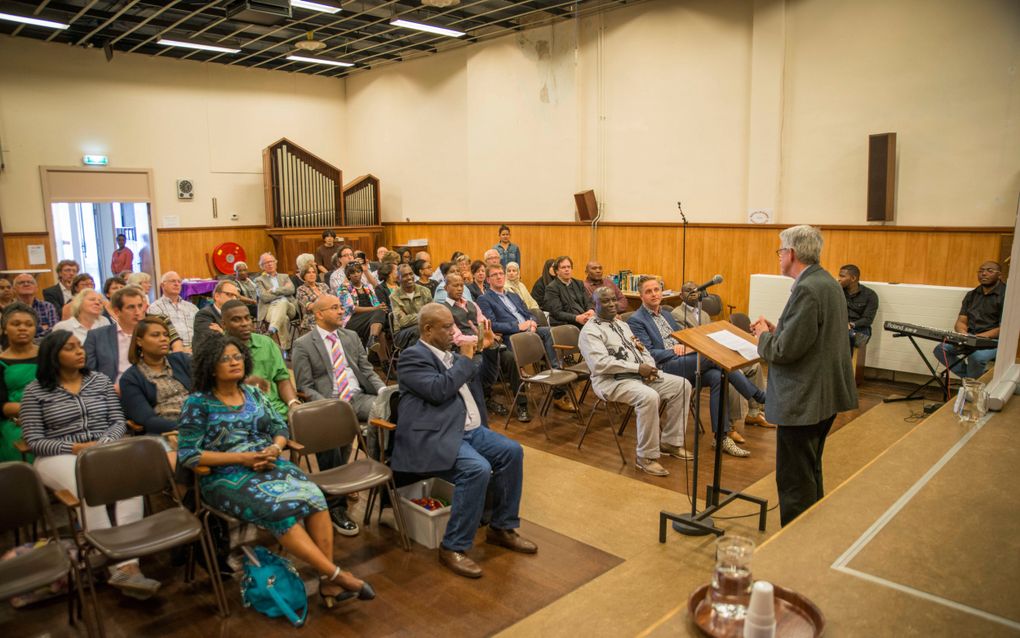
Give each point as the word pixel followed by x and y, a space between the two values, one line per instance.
pixel 424 526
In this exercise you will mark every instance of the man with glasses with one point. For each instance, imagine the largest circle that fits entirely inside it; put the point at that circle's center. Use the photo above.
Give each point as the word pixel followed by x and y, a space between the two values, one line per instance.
pixel 980 315
pixel 60 293
pixel 277 300
pixel 208 319
pixel 180 312
pixel 25 288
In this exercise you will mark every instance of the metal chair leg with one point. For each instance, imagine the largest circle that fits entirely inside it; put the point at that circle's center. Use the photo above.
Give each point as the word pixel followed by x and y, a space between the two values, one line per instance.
pixel 398 516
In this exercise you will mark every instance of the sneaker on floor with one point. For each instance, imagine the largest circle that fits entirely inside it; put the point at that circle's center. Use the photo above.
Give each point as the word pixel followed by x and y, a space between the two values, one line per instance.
pixel 495 407
pixel 675 451
pixel 731 448
pixel 134 585
pixel 522 414
pixel 342 523
pixel 650 466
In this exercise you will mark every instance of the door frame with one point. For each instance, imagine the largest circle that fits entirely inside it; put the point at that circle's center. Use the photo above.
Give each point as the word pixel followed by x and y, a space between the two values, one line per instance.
pixel 150 200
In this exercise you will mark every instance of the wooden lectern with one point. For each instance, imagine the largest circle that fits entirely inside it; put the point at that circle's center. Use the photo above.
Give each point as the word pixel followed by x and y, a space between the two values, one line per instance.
pixel 695 524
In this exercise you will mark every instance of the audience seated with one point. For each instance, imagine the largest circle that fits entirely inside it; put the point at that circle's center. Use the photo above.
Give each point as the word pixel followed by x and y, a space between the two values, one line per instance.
pixel 861 305
pixel 516 286
pixel 69 408
pixel 110 286
pixel 389 283
pixel 441 431
pixel 106 348
pixel 207 321
pixel 622 370
pixel 18 365
pixel 178 310
pixel 6 292
pixel 423 271
pixel 153 389
pixel 232 428
pixel 310 290
pixel 301 262
pixel 566 300
pixel 25 287
pixel 325 253
pixel 362 311
pixel 476 284
pixel 654 329
pixel 61 292
pixel 593 279
pixel 507 250
pixel 338 276
pixel 277 304
pixel 247 291
pixel 538 288
pixel 269 372
pixel 980 315
pixel 406 302
pixel 141 280
pixel 405 256
pixel 86 314
pixel 79 283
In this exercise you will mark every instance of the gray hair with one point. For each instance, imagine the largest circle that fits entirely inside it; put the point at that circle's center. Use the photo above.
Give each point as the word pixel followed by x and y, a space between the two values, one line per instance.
pixel 303 260
pixel 79 299
pixel 138 278
pixel 263 256
pixel 166 276
pixel 805 241
pixel 238 264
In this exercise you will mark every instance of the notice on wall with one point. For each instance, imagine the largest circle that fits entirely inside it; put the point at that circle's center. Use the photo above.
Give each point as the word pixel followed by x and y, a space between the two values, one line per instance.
pixel 36 254
pixel 171 221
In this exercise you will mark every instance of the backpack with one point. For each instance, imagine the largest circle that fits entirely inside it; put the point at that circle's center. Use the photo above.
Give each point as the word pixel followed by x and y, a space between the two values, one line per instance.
pixel 272 586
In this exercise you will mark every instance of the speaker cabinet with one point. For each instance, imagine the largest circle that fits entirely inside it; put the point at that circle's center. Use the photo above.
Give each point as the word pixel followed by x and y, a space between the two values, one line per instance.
pixel 587 206
pixel 881 176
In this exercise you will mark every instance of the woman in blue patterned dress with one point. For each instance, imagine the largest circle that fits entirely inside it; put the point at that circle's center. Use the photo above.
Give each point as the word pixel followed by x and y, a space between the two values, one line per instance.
pixel 231 428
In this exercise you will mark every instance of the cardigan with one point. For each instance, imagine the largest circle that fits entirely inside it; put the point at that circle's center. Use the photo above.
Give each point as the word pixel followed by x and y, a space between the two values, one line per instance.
pixel 138 394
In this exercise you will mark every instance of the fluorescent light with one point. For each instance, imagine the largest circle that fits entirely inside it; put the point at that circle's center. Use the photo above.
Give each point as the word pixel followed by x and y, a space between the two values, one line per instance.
pixel 193 45
pixel 34 21
pixel 314 6
pixel 301 58
pixel 418 26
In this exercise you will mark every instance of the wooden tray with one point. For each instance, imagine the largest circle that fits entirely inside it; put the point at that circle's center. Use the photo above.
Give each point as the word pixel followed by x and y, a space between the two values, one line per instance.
pixel 796 616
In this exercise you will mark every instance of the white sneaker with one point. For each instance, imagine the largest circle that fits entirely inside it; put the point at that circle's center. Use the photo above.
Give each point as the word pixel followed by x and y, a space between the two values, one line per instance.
pixel 650 466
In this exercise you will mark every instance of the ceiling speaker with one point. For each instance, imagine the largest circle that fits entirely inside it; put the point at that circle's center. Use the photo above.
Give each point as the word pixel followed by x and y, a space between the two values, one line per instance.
pixel 185 189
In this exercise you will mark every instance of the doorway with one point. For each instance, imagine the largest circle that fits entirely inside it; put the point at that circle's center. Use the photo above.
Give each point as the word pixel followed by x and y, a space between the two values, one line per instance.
pixel 86 232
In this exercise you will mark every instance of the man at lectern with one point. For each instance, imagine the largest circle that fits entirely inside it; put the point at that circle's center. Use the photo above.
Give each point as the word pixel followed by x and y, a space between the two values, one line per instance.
pixel 810 376
pixel 980 316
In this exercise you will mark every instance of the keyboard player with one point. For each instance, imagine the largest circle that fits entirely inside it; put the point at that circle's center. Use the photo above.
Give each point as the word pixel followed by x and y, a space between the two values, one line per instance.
pixel 980 315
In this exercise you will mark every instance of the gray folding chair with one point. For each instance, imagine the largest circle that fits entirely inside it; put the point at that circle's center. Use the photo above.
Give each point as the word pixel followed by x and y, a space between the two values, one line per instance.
pixel 529 350
pixel 565 340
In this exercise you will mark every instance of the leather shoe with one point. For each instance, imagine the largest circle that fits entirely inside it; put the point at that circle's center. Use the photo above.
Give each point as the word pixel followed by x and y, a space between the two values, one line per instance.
pixel 510 539
pixel 496 408
pixel 564 403
pixel 736 436
pixel 342 523
pixel 759 420
pixel 459 563
pixel 523 415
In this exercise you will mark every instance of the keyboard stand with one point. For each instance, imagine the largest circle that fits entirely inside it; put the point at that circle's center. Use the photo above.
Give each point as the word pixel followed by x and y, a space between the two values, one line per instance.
pixel 935 376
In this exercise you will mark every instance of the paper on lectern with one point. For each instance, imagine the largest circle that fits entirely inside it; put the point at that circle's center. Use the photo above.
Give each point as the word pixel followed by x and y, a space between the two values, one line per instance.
pixel 743 347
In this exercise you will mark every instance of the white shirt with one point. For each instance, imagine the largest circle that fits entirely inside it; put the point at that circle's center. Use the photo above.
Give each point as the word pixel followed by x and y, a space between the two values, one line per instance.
pixel 352 379
pixel 473 419
pixel 80 331
pixel 123 347
pixel 67 293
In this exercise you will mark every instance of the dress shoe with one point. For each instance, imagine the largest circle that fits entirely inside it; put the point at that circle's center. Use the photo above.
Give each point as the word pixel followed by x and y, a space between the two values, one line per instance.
pixel 736 436
pixel 675 451
pixel 650 466
pixel 459 563
pixel 522 414
pixel 510 539
pixel 731 448
pixel 565 404
pixel 342 523
pixel 759 420
pixel 495 407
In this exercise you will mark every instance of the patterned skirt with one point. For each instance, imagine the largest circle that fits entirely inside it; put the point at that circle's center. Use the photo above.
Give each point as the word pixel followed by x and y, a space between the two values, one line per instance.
pixel 275 500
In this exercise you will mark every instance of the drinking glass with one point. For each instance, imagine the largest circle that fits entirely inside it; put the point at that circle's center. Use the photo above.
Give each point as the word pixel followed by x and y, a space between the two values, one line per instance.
pixel 731 581
pixel 972 401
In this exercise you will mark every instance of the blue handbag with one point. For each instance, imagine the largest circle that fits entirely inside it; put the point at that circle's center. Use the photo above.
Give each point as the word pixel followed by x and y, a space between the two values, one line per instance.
pixel 273 587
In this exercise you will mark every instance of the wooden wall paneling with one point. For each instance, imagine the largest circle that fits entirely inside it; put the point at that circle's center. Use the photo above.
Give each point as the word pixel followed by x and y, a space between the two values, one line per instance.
pixel 184 249
pixel 16 249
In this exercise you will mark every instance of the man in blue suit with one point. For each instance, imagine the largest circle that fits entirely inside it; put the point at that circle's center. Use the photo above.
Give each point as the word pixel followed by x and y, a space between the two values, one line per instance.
pixel 106 348
pixel 654 329
pixel 442 431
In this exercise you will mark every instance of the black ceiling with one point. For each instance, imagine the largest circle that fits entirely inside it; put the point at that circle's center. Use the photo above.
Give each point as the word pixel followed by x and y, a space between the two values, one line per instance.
pixel 360 33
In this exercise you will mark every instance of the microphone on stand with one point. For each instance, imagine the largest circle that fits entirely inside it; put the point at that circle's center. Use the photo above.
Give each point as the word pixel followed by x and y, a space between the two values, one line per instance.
pixel 681 209
pixel 708 284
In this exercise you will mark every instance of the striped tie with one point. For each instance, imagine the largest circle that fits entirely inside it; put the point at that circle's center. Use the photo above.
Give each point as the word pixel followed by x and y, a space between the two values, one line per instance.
pixel 343 388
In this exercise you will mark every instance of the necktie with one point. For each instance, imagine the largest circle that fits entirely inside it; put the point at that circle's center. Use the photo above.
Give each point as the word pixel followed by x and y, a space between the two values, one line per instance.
pixel 343 388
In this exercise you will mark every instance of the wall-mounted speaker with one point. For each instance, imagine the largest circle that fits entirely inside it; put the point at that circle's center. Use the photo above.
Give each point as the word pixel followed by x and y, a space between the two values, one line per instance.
pixel 587 205
pixel 881 177
pixel 185 189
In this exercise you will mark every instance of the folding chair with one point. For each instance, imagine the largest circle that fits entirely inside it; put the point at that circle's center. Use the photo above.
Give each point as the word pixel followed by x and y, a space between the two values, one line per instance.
pixel 565 339
pixel 529 350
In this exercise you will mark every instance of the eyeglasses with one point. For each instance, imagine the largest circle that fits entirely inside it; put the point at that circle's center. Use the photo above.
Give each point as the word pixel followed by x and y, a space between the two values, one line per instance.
pixel 779 253
pixel 230 358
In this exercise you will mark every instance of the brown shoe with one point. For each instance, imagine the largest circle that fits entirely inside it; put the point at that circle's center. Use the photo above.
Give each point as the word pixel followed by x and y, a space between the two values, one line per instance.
pixel 510 539
pixel 759 420
pixel 736 436
pixel 459 563
pixel 675 451
pixel 564 403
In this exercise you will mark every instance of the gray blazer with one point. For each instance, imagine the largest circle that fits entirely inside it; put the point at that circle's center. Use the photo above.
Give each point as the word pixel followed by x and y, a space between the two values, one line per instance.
pixel 313 367
pixel 810 377
pixel 284 290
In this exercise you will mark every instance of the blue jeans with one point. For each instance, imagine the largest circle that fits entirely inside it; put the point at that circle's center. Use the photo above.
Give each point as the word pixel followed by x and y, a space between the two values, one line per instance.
pixel 686 366
pixel 970 368
pixel 484 456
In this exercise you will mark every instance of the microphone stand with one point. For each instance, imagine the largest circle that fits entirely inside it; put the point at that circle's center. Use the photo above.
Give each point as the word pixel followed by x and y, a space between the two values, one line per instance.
pixel 683 247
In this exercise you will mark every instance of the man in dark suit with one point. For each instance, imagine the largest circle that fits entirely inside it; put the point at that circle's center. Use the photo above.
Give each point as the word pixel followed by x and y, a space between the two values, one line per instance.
pixel 810 376
pixel 566 300
pixel 106 348
pixel 442 431
pixel 60 293
pixel 208 319
pixel 655 328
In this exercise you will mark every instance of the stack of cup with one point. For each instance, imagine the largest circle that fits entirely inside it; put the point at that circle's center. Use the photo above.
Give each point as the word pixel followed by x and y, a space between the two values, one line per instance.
pixel 760 619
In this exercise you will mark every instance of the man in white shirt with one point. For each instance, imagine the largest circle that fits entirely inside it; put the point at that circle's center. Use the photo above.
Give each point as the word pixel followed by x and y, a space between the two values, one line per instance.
pixel 180 312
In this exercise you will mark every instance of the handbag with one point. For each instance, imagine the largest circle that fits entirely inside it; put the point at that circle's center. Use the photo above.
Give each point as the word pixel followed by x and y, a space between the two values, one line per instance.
pixel 273 587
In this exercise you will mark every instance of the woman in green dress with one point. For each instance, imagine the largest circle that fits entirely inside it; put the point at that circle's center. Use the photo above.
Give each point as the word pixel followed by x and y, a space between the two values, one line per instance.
pixel 232 428
pixel 18 365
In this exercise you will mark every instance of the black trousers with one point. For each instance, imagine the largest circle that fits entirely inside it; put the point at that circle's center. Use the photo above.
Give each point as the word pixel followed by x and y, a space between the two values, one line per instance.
pixel 799 467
